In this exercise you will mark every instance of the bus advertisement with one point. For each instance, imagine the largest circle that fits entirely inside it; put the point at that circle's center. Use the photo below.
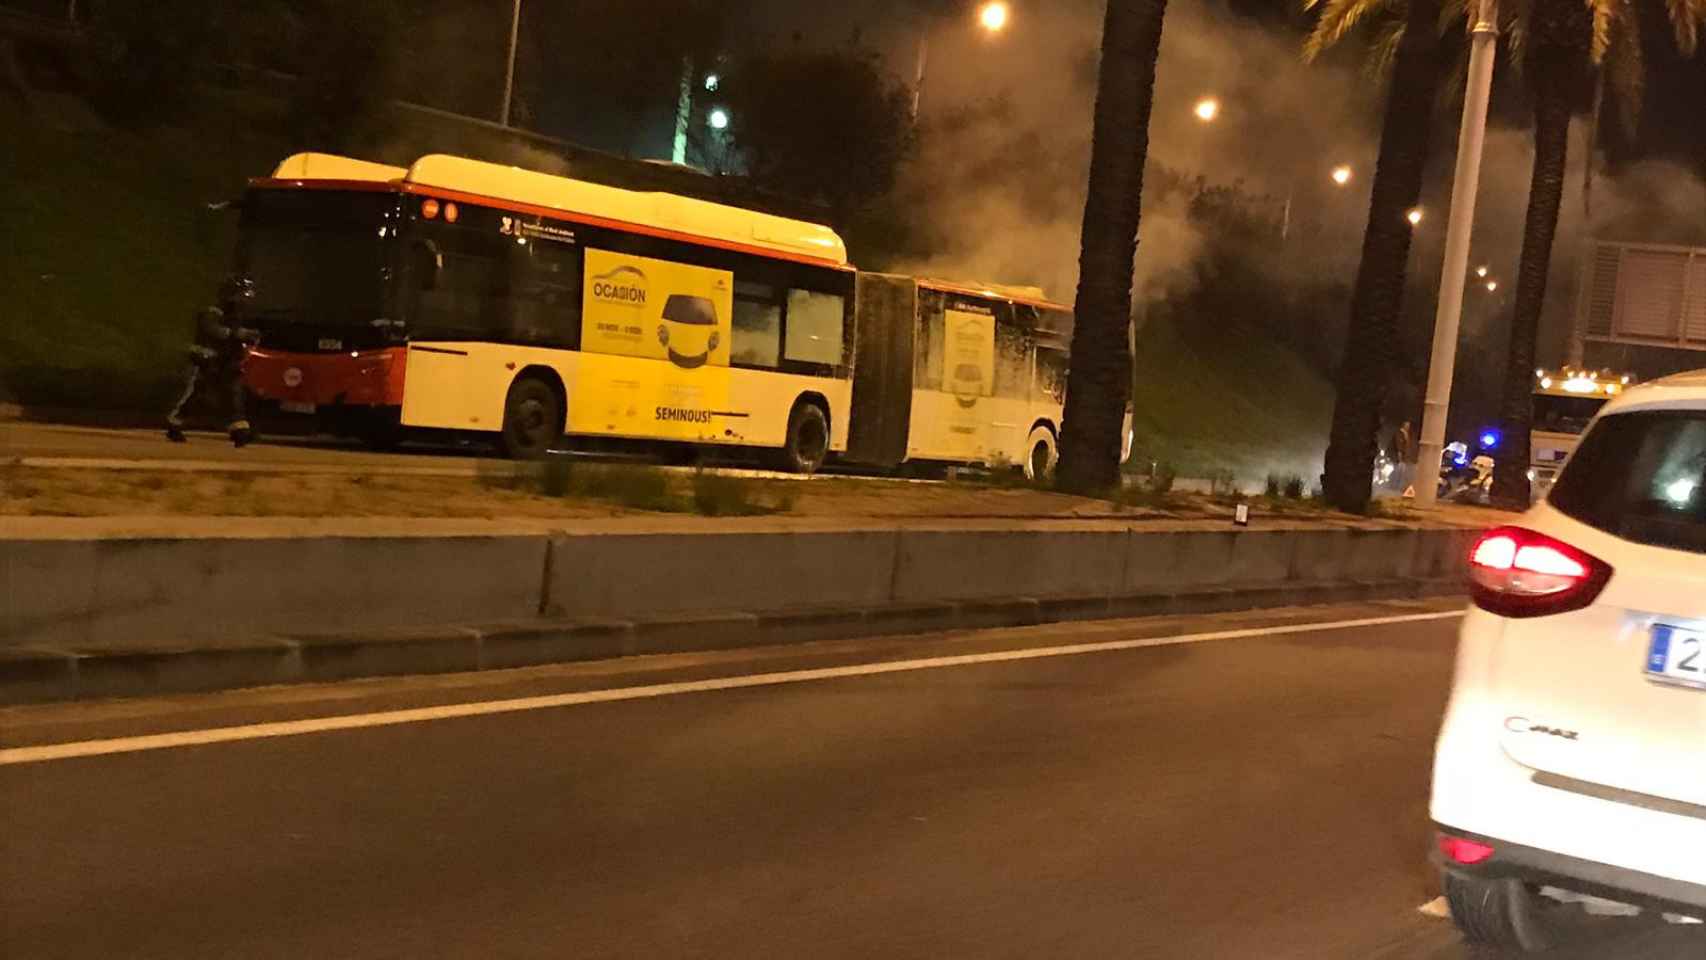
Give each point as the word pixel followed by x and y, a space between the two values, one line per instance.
pixel 462 296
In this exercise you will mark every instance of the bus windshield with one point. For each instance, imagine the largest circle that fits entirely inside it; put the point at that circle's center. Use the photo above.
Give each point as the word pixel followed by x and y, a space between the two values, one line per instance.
pixel 1553 414
pixel 316 257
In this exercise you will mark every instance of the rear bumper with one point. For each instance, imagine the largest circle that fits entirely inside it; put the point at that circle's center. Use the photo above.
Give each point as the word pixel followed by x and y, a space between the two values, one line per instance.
pixel 363 378
pixel 1545 868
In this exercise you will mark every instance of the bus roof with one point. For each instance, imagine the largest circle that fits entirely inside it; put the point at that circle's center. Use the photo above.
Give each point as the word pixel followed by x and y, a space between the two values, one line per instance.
pixel 530 191
pixel 1580 383
pixel 1032 296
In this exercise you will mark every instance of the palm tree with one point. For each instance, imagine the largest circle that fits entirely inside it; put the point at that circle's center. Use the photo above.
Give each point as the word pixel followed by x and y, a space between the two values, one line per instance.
pixel 1101 340
pixel 1370 343
pixel 1561 44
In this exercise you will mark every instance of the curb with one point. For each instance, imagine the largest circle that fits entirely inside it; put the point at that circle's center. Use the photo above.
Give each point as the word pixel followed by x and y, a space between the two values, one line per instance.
pixel 42 675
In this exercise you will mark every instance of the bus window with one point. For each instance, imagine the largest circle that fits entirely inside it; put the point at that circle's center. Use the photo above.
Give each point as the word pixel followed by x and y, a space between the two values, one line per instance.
pixel 757 326
pixel 931 339
pixel 470 301
pixel 816 325
pixel 1012 361
pixel 1051 375
pixel 547 286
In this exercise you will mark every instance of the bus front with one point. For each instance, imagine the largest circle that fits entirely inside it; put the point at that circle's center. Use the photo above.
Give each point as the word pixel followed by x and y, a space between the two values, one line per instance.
pixel 322 256
pixel 1565 401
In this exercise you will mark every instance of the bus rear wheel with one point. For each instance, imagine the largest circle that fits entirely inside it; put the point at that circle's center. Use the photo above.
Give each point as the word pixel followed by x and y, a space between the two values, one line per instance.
pixel 533 419
pixel 1041 453
pixel 807 445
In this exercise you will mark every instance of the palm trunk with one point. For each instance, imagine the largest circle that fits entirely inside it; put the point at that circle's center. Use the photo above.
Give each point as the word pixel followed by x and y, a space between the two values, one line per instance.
pixel 1545 198
pixel 1101 340
pixel 1367 369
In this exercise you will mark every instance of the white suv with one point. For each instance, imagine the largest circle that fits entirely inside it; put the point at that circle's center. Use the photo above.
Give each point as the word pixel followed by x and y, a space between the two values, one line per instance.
pixel 1572 762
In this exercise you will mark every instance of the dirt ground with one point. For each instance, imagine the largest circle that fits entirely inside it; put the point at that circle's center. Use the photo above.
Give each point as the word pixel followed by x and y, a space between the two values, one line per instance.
pixel 591 492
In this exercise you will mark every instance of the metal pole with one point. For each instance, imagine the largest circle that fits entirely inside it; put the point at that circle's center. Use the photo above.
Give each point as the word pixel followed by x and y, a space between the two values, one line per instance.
pixel 1466 183
pixel 683 112
pixel 509 73
pixel 923 61
pixel 71 12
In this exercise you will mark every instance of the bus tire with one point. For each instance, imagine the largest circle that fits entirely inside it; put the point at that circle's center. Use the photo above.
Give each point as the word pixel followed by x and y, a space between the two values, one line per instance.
pixel 533 419
pixel 807 444
pixel 1042 452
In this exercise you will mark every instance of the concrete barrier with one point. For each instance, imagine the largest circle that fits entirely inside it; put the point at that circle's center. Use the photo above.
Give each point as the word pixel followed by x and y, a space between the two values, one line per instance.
pixel 106 593
pixel 91 618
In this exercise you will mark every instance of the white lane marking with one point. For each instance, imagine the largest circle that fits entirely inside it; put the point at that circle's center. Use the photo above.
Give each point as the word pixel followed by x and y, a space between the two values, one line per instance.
pixel 295 728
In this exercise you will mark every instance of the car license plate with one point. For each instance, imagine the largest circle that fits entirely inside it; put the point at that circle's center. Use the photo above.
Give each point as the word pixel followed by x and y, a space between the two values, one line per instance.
pixel 289 407
pixel 1677 656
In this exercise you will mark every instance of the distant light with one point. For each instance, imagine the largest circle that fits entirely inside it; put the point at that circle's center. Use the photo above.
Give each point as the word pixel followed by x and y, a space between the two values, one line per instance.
pixel 1492 286
pixel 1490 439
pixel 1207 109
pixel 1580 385
pixel 712 82
pixel 1540 373
pixel 719 119
pixel 1546 383
pixel 1626 381
pixel 1681 491
pixel 1342 174
pixel 1414 216
pixel 1481 272
pixel 994 16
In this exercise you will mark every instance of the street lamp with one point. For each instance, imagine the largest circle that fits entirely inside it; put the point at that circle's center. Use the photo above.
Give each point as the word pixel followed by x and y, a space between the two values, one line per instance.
pixel 993 16
pixel 1207 109
pixel 719 119
pixel 1342 174
pixel 1414 216
pixel 1492 286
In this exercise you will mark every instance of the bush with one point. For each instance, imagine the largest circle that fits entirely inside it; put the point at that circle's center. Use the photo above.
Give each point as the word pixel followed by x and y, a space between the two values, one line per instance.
pixel 720 495
pixel 1294 487
pixel 1274 486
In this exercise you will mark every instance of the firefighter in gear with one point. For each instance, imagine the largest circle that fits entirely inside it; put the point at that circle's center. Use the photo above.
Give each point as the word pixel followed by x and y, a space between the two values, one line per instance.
pixel 216 368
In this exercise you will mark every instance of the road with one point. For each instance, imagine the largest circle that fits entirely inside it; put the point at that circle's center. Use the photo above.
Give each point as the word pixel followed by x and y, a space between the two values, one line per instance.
pixel 1257 792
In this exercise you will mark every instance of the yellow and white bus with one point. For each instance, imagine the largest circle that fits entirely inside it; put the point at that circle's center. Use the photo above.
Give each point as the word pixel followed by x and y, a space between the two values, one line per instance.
pixel 456 295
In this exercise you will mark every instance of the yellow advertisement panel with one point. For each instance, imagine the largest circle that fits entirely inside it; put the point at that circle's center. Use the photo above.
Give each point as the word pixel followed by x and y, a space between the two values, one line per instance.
pixel 640 307
pixel 655 340
pixel 968 375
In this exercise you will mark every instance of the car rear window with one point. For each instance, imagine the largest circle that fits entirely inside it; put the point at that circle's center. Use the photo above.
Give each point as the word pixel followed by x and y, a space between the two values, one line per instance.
pixel 1642 477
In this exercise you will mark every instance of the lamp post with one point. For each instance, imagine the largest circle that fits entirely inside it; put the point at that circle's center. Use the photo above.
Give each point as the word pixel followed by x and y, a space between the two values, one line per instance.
pixel 1466 183
pixel 509 71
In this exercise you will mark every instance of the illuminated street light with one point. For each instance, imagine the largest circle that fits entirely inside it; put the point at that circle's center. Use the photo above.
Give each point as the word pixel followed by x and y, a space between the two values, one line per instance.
pixel 1492 286
pixel 1207 109
pixel 712 82
pixel 1342 174
pixel 719 119
pixel 994 16
pixel 1481 272
pixel 1414 216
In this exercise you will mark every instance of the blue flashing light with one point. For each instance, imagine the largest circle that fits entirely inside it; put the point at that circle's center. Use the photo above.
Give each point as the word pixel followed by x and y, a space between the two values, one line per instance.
pixel 1489 440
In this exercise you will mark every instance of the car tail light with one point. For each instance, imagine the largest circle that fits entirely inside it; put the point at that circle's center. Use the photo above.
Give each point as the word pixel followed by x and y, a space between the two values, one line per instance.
pixel 1519 573
pixel 1465 852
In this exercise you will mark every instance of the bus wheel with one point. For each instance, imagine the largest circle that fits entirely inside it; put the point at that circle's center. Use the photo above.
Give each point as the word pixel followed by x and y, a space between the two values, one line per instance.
pixel 1040 454
pixel 807 445
pixel 533 419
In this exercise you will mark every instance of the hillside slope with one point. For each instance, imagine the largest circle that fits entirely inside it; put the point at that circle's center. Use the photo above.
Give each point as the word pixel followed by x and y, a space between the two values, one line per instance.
pixel 1233 401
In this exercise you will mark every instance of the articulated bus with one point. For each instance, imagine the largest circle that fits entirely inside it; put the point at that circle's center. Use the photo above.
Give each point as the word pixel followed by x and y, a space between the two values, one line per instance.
pixel 456 295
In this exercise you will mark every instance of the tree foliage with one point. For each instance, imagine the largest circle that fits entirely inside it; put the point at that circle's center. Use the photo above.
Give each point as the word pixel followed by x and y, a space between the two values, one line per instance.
pixel 823 126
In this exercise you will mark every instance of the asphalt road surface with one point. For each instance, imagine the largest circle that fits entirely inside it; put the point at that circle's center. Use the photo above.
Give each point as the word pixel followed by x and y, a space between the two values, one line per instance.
pixel 1260 794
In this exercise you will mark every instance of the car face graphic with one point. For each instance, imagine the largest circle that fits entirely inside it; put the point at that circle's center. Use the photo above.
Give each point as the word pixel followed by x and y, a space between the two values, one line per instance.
pixel 689 330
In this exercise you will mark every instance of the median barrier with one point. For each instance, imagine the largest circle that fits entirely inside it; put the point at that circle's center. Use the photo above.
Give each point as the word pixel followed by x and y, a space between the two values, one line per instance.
pixel 978 564
pixel 611 575
pixel 99 618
